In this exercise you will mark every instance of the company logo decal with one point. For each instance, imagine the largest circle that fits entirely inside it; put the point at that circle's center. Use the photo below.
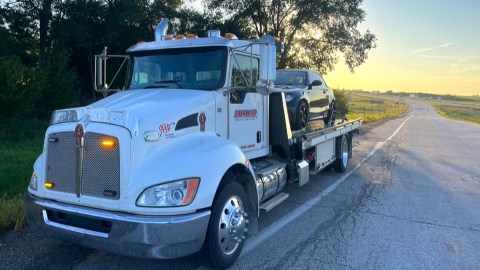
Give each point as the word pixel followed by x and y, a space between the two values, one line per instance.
pixel 167 130
pixel 242 115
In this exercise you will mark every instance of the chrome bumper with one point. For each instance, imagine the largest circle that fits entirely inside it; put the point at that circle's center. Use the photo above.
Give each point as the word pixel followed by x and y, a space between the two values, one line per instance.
pixel 132 235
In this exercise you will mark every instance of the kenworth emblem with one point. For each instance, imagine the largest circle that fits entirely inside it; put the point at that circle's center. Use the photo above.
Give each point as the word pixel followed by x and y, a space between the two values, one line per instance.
pixel 79 143
pixel 79 135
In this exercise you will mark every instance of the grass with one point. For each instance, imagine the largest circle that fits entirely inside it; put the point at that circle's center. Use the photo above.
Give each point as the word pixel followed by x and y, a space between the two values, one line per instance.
pixel 464 111
pixel 21 141
pixel 373 108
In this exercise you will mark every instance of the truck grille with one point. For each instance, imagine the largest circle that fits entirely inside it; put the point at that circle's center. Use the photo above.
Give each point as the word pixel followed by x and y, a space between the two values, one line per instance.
pixel 100 176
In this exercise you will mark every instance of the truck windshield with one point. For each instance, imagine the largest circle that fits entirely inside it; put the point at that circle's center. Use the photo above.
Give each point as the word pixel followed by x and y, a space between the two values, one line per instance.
pixel 194 68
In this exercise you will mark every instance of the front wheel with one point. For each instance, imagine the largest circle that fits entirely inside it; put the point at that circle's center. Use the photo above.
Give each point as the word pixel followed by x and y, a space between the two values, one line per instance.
pixel 301 116
pixel 227 228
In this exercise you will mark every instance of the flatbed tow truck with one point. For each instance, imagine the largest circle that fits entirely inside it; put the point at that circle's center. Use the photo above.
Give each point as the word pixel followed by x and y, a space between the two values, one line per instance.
pixel 183 160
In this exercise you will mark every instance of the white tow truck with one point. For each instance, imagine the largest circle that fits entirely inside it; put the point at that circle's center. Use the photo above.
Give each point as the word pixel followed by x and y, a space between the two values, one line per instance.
pixel 184 160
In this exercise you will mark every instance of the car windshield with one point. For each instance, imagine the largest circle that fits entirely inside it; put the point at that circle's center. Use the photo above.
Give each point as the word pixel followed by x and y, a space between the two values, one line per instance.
pixel 193 68
pixel 291 78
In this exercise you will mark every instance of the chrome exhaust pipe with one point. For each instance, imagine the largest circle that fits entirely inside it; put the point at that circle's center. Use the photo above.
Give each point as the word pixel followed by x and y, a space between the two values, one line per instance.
pixel 161 29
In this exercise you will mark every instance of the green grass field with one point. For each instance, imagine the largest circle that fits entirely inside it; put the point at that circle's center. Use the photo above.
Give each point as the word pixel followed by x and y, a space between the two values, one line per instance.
pixel 21 141
pixel 464 111
pixel 374 107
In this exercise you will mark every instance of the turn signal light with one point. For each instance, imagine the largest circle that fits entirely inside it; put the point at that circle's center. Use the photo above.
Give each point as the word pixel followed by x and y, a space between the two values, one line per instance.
pixel 49 185
pixel 108 143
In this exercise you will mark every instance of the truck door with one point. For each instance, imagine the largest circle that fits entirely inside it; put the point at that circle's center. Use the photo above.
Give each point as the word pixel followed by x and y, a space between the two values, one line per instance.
pixel 247 117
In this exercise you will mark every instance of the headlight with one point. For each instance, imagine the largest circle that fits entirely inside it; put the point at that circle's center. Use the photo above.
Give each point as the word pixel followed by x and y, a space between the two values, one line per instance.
pixel 33 181
pixel 176 193
pixel 289 98
pixel 63 116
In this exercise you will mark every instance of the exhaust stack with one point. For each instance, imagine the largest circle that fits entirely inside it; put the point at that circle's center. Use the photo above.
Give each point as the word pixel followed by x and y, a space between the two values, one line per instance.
pixel 161 29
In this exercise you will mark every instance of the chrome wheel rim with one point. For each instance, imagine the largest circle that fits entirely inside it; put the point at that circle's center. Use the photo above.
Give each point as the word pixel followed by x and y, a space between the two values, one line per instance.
pixel 344 152
pixel 232 225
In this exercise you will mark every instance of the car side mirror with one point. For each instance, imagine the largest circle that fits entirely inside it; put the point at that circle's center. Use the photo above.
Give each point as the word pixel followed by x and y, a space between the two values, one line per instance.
pixel 316 83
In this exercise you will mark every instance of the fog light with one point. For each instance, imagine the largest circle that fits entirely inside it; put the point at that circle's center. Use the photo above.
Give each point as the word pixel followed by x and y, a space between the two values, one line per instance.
pixel 49 185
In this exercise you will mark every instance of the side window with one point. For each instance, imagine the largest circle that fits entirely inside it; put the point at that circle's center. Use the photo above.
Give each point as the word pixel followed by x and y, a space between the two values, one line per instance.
pixel 315 76
pixel 244 71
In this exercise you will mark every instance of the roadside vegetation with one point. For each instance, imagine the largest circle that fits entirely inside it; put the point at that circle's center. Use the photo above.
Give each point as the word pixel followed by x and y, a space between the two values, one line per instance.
pixel 21 141
pixel 367 106
pixel 464 111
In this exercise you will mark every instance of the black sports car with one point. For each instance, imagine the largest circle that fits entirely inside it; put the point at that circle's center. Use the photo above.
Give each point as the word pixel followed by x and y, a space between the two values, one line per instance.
pixel 307 95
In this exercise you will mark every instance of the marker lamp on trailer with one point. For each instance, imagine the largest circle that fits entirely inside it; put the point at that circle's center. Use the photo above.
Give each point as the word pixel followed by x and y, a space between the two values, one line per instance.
pixel 177 193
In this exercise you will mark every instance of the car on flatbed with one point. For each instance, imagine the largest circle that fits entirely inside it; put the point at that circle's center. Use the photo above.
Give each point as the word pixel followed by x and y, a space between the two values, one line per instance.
pixel 307 95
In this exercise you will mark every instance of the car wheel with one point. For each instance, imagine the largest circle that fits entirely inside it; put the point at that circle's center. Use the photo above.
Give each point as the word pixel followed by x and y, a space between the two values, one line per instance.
pixel 227 228
pixel 301 117
pixel 331 115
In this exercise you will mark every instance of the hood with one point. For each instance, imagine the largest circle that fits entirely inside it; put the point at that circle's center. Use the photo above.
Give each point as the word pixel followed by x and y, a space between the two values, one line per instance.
pixel 139 110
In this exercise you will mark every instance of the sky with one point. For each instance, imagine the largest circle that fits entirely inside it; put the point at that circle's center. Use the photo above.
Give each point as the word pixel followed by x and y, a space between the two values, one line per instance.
pixel 428 46
pixel 423 46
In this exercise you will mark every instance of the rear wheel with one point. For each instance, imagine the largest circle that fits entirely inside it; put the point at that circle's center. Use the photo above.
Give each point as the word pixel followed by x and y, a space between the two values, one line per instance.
pixel 227 228
pixel 301 116
pixel 331 115
pixel 340 164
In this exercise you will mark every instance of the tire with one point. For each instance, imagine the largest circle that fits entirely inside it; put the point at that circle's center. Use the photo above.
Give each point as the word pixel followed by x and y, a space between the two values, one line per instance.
pixel 301 116
pixel 227 228
pixel 331 115
pixel 340 164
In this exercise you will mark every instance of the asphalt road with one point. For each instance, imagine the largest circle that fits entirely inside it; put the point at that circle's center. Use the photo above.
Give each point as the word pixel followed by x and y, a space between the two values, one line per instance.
pixel 409 201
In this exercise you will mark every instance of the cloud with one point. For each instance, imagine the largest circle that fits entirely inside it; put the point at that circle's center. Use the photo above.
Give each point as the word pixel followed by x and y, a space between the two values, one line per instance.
pixel 433 48
pixel 460 69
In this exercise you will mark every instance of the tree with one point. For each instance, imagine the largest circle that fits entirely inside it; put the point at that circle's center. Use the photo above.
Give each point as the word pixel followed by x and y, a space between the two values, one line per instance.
pixel 314 32
pixel 19 87
pixel 342 100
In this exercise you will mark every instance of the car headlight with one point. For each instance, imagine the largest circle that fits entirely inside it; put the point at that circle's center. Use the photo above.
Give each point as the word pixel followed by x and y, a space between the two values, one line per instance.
pixel 33 181
pixel 177 193
pixel 289 98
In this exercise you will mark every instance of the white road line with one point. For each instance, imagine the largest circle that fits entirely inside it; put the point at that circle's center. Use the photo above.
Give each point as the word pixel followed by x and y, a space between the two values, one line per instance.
pixel 272 229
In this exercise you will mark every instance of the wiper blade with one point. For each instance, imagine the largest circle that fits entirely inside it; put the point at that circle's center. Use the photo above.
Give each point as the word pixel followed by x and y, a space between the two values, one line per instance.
pixel 171 81
pixel 155 86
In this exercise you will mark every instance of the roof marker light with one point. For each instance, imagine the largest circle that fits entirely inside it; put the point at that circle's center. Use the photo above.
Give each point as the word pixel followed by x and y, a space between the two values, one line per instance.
pixel 192 36
pixel 168 37
pixel 230 36
pixel 179 37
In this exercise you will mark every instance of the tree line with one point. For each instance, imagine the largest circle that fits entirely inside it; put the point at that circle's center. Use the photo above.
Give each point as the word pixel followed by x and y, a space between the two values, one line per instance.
pixel 47 48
